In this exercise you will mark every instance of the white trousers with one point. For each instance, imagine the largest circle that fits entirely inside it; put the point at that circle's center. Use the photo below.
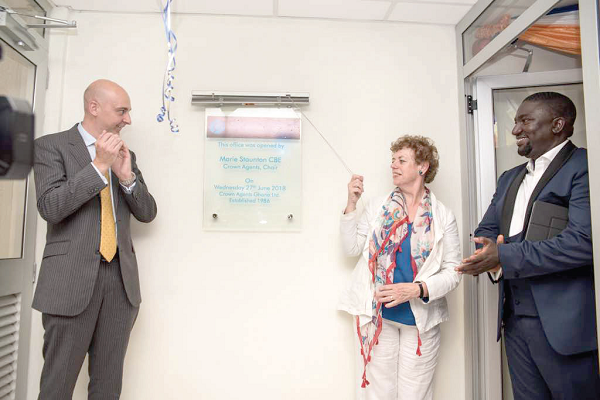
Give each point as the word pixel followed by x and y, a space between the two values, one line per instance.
pixel 396 372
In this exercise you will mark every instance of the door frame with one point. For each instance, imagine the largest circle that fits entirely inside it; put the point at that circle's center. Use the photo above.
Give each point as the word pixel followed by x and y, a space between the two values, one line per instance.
pixel 490 351
pixel 26 263
pixel 590 57
pixel 589 25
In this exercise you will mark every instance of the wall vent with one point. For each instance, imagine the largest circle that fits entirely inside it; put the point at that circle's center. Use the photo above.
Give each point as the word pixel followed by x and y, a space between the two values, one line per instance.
pixel 10 310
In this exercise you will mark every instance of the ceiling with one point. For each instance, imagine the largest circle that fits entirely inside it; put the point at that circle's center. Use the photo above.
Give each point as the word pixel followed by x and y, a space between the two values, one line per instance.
pixel 420 11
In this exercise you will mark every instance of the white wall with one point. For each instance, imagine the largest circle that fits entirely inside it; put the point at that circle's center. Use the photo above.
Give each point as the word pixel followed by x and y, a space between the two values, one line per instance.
pixel 252 315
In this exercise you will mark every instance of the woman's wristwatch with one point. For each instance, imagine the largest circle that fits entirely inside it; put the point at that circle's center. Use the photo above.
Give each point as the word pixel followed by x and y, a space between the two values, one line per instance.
pixel 421 292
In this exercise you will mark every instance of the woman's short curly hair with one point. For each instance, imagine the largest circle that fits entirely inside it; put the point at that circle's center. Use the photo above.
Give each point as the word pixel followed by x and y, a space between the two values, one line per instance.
pixel 425 151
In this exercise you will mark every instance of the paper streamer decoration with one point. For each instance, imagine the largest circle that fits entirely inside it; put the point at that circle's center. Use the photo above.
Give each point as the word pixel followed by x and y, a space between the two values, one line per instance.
pixel 167 89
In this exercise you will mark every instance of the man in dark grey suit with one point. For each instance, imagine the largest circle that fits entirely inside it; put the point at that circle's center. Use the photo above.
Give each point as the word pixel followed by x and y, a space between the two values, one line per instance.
pixel 88 185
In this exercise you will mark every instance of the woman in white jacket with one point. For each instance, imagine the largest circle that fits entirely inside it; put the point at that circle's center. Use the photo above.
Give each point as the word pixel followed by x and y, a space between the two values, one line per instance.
pixel 408 245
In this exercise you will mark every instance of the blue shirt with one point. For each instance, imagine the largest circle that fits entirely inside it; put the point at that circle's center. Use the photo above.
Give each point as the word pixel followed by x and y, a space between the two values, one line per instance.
pixel 403 273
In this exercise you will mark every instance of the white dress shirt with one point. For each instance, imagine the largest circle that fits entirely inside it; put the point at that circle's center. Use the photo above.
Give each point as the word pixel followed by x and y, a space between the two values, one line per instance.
pixel 90 144
pixel 535 170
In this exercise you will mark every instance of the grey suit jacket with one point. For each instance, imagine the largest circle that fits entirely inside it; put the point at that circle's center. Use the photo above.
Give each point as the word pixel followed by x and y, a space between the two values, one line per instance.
pixel 67 188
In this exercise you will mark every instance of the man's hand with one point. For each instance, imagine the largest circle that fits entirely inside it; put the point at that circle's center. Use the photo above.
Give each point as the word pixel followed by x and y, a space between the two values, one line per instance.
pixel 122 165
pixel 484 259
pixel 108 146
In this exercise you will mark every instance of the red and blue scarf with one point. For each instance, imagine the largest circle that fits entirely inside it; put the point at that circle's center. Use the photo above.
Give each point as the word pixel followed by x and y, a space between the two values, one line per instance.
pixel 390 231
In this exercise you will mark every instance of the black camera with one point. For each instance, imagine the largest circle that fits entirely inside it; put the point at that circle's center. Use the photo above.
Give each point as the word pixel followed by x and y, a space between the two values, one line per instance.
pixel 16 137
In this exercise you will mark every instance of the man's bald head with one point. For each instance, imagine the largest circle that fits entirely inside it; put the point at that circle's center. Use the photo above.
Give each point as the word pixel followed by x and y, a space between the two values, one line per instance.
pixel 101 90
pixel 106 106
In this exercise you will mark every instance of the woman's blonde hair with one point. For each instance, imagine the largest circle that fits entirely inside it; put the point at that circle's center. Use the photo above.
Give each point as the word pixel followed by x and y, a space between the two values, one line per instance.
pixel 425 151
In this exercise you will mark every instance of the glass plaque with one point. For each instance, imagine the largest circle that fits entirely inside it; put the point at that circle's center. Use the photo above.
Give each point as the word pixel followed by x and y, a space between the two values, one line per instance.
pixel 252 169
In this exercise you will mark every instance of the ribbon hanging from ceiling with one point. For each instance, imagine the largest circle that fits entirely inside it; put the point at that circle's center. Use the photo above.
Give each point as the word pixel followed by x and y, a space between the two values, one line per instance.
pixel 167 88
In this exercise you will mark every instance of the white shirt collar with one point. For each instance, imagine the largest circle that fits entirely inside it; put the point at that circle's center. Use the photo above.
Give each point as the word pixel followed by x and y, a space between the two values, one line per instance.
pixel 545 159
pixel 85 135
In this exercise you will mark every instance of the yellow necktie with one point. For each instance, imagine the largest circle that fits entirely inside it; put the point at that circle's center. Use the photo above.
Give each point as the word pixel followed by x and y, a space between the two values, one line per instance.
pixel 108 237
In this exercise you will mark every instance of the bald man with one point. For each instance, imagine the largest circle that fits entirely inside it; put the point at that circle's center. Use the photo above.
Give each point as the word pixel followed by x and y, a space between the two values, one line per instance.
pixel 88 185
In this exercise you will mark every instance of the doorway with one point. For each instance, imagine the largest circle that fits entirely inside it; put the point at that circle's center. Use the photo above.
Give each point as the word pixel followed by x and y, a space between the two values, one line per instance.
pixel 23 75
pixel 16 254
pixel 501 51
pixel 498 98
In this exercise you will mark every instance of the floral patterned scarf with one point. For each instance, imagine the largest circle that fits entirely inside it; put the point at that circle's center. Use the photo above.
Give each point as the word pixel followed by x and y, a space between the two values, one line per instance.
pixel 390 231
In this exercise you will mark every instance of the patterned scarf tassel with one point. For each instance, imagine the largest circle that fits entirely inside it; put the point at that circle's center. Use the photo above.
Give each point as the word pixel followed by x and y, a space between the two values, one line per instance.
pixel 365 382
pixel 367 357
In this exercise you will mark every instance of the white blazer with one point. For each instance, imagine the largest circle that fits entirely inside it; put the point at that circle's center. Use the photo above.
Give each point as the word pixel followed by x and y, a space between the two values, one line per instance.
pixel 437 271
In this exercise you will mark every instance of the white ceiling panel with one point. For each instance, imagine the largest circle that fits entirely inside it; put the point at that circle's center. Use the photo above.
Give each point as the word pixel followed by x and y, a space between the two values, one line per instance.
pixel 424 11
pixel 107 5
pixel 343 9
pixel 443 2
pixel 237 7
pixel 429 13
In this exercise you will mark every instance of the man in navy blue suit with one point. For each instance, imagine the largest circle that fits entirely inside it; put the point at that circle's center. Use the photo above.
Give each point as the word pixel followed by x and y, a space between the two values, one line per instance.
pixel 546 304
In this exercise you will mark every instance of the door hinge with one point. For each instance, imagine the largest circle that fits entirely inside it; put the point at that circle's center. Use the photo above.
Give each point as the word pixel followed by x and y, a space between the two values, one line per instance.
pixel 34 272
pixel 471 104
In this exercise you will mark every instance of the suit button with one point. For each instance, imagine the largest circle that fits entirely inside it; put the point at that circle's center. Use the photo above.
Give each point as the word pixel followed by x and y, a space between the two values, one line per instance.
pixel 517 302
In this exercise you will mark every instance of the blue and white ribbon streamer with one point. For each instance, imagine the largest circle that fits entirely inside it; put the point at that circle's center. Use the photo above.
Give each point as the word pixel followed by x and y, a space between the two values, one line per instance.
pixel 167 88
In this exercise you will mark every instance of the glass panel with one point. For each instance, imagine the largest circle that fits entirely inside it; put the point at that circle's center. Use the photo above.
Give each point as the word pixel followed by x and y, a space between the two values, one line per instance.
pixel 16 80
pixel 506 103
pixel 490 23
pixel 28 7
pixel 552 43
pixel 253 169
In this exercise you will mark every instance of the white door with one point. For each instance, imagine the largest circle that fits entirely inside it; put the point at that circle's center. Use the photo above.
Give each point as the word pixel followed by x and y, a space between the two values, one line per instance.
pixel 17 243
pixel 498 98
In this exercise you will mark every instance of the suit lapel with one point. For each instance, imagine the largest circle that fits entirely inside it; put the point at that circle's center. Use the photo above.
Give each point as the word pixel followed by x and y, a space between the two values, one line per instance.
pixel 561 158
pixel 78 148
pixel 82 155
pixel 509 201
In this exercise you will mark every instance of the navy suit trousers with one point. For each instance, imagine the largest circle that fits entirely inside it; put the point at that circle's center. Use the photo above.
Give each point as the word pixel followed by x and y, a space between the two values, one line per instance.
pixel 538 372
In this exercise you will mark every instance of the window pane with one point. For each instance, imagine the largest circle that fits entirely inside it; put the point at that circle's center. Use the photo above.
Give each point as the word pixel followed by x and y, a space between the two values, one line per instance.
pixel 506 103
pixel 16 80
pixel 490 23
